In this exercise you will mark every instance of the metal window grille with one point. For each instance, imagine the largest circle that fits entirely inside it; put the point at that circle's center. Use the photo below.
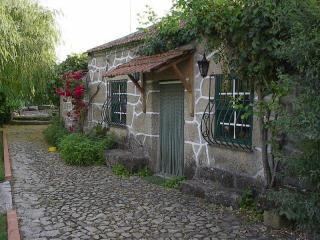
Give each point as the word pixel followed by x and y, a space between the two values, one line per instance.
pixel 114 110
pixel 227 119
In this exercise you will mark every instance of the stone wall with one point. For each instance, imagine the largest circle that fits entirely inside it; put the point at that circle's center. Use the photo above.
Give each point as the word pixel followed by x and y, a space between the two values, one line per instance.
pixel 201 159
pixel 65 107
pixel 99 63
pixel 141 128
pixel 199 155
pixel 144 127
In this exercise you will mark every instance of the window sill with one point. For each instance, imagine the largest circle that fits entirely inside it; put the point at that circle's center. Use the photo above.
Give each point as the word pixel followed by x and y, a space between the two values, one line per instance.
pixel 232 145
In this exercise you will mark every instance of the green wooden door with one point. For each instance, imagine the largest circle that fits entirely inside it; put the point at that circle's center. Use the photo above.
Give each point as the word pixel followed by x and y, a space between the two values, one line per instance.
pixel 172 129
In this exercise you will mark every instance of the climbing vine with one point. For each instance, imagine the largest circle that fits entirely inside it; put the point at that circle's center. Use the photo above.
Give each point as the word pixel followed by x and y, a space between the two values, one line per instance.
pixel 274 45
pixel 74 89
pixel 167 34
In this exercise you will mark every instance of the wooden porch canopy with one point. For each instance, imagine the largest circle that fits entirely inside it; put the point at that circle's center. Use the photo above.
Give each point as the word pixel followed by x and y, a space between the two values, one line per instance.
pixel 157 63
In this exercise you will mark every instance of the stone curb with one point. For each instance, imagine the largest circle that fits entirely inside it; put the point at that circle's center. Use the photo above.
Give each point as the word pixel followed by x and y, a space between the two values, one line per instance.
pixel 12 220
pixel 7 164
pixel 13 227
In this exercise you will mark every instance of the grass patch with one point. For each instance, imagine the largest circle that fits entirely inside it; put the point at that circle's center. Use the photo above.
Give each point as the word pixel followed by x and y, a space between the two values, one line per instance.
pixel 155 180
pixel 2 175
pixel 120 170
pixel 174 182
pixel 3 227
pixel 144 172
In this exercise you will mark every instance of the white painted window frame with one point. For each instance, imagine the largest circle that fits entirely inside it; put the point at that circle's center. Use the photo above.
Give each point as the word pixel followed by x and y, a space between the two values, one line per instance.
pixel 234 94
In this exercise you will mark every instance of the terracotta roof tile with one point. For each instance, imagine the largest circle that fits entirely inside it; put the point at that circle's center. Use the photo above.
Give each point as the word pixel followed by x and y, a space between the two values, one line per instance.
pixel 133 37
pixel 147 63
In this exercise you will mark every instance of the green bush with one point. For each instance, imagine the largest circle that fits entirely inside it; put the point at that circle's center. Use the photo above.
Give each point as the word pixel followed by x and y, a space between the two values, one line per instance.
pixel 144 172
pixel 5 114
pixel 120 170
pixel 55 132
pixel 301 208
pixel 247 200
pixel 78 149
pixel 6 107
pixel 97 132
pixel 2 177
pixel 251 205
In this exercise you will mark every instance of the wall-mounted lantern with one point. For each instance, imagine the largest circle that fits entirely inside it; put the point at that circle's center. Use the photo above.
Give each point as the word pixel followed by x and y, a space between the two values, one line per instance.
pixel 203 66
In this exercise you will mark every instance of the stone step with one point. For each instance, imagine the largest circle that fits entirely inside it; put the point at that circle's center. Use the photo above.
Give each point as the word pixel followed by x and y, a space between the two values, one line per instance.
pixel 29 122
pixel 30 117
pixel 132 161
pixel 212 192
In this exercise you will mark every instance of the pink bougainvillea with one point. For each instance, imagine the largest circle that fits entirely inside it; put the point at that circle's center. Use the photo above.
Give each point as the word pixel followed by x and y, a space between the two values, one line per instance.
pixel 78 91
pixel 77 75
pixel 75 89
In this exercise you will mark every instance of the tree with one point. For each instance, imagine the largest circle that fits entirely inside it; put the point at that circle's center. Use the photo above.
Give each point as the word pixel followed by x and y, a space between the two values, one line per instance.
pixel 275 45
pixel 27 49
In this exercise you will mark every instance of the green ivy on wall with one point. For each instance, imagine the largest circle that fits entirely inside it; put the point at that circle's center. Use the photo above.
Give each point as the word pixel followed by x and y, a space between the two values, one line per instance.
pixel 275 45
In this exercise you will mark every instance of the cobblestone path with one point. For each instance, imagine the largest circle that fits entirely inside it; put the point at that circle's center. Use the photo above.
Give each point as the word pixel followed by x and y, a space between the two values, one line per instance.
pixel 55 201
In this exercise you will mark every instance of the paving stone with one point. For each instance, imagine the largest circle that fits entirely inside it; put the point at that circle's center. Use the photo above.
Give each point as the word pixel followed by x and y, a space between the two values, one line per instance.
pixel 111 234
pixel 5 197
pixel 57 201
pixel 51 233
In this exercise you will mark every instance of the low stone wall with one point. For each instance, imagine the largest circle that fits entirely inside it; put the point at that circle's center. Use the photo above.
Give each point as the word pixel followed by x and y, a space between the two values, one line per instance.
pixel 230 179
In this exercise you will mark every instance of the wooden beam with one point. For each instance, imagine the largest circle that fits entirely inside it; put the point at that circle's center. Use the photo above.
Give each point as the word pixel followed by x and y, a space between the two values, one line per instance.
pixel 169 65
pixel 182 78
pixel 187 79
pixel 135 82
pixel 143 94
pixel 190 74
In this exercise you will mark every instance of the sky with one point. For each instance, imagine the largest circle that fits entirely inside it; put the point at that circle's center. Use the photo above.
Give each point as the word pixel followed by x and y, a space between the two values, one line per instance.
pixel 85 24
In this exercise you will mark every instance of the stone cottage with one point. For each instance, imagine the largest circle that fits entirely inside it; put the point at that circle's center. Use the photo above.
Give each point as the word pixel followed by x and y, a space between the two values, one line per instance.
pixel 187 124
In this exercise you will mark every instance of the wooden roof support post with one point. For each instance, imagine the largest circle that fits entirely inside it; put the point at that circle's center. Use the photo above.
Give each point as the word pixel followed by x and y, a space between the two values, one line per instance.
pixel 143 94
pixel 141 89
pixel 190 74
pixel 135 82
pixel 187 82
pixel 182 78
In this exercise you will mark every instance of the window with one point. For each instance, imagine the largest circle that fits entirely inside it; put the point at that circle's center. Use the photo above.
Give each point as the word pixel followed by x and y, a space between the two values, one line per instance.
pixel 233 121
pixel 117 102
